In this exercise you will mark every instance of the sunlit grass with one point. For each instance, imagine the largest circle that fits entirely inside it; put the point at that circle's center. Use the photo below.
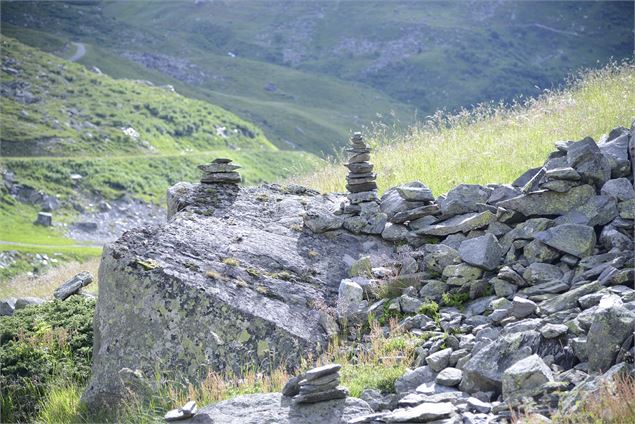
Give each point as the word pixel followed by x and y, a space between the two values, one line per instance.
pixel 494 143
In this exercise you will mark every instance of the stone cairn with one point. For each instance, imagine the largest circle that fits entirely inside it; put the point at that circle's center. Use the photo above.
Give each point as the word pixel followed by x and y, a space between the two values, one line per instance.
pixel 360 181
pixel 220 171
pixel 316 385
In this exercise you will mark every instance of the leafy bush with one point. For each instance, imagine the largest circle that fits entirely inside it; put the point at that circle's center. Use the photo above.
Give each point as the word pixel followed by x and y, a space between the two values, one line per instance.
pixel 37 345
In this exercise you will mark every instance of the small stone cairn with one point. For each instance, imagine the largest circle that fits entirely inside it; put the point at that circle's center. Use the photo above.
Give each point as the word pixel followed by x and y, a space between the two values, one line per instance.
pixel 316 385
pixel 220 171
pixel 360 181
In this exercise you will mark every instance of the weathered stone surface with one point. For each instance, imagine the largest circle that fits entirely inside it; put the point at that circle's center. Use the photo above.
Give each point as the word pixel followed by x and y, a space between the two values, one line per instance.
pixel 620 189
pixel 320 220
pixel 7 306
pixel 575 239
pixel 522 308
pixel 275 408
pixel 350 298
pixel 457 224
pixel 439 360
pixel 44 219
pixel 422 413
pixel 538 273
pixel 438 256
pixel 416 191
pixel 612 324
pixel 413 379
pixel 551 331
pixel 463 199
pixel 525 376
pixel 394 232
pixel 616 151
pixel 483 252
pixel 73 285
pixel 484 370
pixel 461 274
pixel 242 269
pixel 568 299
pixel 544 203
pixel 449 377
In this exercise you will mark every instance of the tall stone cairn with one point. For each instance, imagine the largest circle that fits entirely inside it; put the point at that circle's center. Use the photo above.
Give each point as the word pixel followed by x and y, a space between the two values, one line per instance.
pixel 360 181
pixel 220 171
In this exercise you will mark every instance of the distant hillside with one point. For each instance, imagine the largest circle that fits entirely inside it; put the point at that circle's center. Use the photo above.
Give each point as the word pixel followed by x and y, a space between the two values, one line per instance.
pixel 309 71
pixel 121 139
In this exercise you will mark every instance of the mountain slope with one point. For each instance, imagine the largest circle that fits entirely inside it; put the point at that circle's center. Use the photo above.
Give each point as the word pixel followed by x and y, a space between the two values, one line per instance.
pixel 307 72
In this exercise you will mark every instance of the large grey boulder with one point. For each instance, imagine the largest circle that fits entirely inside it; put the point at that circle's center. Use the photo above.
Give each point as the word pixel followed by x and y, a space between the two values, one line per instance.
pixel 230 279
pixel 484 371
pixel 575 239
pixel 7 306
pixel 586 158
pixel 545 203
pixel 275 408
pixel 615 149
pixel 525 377
pixel 483 252
pixel 620 189
pixel 612 324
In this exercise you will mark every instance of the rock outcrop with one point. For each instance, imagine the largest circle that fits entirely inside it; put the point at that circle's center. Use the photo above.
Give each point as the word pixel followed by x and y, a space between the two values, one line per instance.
pixel 232 279
pixel 543 268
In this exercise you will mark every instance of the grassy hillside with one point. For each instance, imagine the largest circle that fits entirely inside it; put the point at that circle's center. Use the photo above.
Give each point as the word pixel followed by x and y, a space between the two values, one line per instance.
pixel 123 137
pixel 493 143
pixel 308 72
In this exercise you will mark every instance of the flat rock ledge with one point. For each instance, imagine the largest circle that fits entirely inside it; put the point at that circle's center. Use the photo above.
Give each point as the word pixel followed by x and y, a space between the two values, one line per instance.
pixel 279 409
pixel 232 279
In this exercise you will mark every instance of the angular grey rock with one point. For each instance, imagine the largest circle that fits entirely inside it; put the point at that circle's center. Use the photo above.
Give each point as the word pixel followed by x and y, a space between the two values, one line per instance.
pixel 73 285
pixel 620 189
pixel 320 396
pixel 566 173
pixel 545 203
pixel 292 386
pixel 275 408
pixel 416 192
pixel 409 304
pixel 612 324
pixel 392 203
pixel 459 223
pixel 394 232
pixel 423 413
pixel 413 379
pixel 187 411
pixel 537 251
pixel 223 258
pixel 599 210
pixel 525 377
pixel 44 219
pixel 483 252
pixel 320 220
pixel 438 256
pixel 538 273
pixel 522 308
pixel 7 306
pixel 439 360
pixel 350 298
pixel 575 239
pixel 551 331
pixel 477 405
pixel 450 377
pixel 322 371
pixel 568 299
pixel 616 151
pixel 463 199
pixel 415 214
pixel 484 370
pixel 585 156
pixel 459 275
pixel 23 302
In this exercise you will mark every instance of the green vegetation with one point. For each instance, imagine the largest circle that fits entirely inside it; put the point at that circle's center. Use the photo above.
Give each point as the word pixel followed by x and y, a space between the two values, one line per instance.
pixel 40 345
pixel 493 143
pixel 456 300
pixel 307 72
pixel 430 308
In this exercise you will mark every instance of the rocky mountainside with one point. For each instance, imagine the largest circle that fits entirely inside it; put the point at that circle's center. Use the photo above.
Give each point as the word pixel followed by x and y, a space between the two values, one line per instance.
pixel 536 279
pixel 306 71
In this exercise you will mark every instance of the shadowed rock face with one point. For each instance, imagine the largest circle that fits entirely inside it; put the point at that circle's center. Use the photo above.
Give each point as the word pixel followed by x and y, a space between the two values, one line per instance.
pixel 232 279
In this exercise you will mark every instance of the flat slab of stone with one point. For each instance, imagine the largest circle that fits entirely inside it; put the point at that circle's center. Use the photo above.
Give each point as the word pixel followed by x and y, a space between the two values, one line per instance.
pixel 575 239
pixel 544 203
pixel 460 223
pixel 73 285
pixel 275 408
pixel 483 252
pixel 422 413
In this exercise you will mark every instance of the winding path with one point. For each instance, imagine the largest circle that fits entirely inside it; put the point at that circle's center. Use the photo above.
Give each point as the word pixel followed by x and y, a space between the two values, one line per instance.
pixel 79 53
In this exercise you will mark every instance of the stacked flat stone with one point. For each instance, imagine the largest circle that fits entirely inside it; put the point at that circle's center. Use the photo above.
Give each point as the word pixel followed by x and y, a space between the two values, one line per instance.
pixel 316 385
pixel 360 181
pixel 220 171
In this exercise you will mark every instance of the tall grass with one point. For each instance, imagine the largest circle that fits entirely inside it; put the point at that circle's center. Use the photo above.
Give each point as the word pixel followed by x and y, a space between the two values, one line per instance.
pixel 494 142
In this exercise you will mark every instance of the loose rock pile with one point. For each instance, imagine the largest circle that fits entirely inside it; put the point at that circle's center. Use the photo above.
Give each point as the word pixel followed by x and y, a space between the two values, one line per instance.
pixel 220 170
pixel 316 385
